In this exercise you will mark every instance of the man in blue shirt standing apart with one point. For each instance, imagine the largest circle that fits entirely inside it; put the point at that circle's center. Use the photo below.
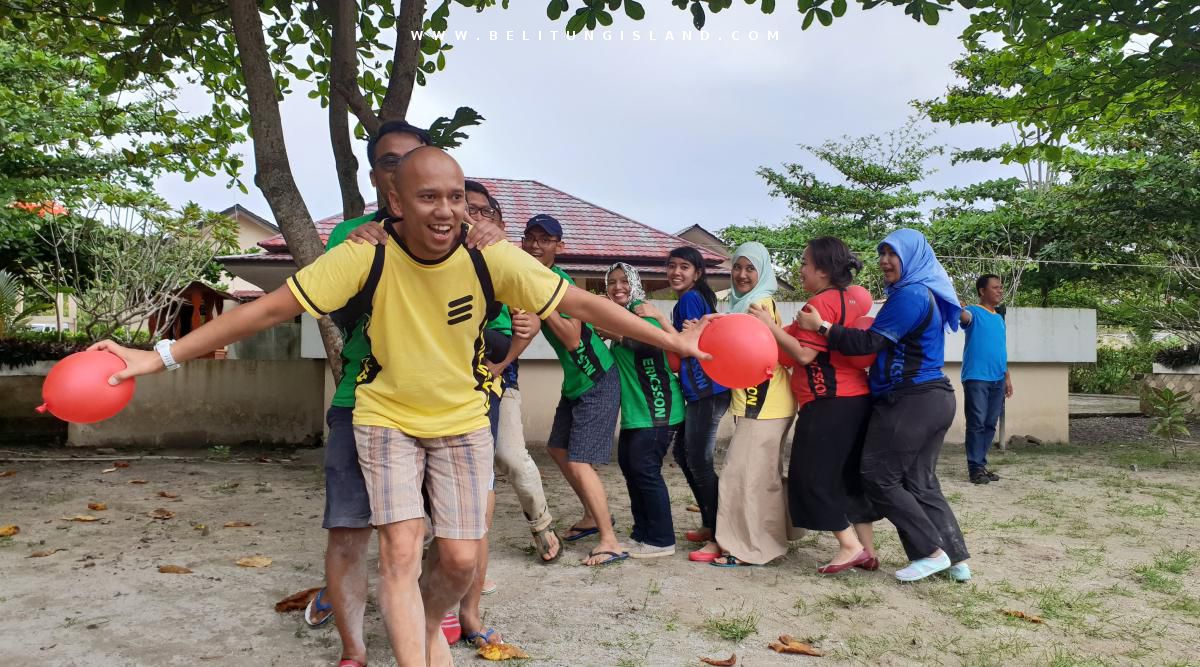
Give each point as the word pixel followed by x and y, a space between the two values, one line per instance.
pixel 985 378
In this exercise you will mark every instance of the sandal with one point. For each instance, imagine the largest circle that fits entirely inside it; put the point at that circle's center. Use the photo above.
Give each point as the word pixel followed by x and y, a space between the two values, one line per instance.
pixel 486 636
pixel 730 561
pixel 542 544
pixel 578 533
pixel 315 608
pixel 613 557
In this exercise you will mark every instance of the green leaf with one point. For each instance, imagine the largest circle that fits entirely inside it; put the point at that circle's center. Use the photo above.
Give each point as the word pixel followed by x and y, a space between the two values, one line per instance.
pixel 634 10
pixel 768 6
pixel 697 16
pixel 838 8
pixel 931 14
pixel 577 22
pixel 553 10
pixel 604 18
pixel 808 19
pixel 804 5
pixel 824 16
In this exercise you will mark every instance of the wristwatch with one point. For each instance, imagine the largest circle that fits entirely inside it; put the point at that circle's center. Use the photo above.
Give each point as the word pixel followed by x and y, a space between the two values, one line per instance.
pixel 824 328
pixel 163 348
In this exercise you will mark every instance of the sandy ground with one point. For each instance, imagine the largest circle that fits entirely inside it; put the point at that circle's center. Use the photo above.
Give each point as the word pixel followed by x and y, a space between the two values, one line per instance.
pixel 1107 556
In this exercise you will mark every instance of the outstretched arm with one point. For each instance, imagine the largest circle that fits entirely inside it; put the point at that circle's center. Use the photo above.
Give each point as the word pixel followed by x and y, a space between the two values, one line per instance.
pixel 241 322
pixel 604 313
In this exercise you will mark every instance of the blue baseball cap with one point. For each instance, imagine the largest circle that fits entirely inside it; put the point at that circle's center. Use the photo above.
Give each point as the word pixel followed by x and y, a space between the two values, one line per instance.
pixel 547 224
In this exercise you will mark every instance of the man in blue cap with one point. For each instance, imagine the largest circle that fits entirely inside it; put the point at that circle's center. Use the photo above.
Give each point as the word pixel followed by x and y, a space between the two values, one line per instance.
pixel 586 418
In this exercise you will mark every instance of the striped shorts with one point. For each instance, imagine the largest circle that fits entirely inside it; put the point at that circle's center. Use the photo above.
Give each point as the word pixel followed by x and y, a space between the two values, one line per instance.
pixel 454 470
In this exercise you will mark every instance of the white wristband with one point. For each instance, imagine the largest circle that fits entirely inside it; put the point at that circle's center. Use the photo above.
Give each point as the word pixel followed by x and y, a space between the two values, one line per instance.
pixel 163 348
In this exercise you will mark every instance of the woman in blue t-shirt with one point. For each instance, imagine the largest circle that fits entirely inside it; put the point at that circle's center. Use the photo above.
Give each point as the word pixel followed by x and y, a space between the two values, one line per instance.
pixel 707 401
pixel 913 403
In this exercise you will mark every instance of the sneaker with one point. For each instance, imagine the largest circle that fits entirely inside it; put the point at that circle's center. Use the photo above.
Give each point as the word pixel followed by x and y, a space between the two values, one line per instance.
pixel 919 569
pixel 960 572
pixel 643 550
pixel 980 477
pixel 991 475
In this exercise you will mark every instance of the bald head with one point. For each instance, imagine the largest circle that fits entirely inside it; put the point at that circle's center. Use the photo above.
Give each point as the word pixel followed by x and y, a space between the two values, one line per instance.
pixel 428 192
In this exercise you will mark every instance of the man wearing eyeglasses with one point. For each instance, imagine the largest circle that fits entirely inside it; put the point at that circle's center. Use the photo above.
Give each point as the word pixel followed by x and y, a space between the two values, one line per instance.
pixel 582 434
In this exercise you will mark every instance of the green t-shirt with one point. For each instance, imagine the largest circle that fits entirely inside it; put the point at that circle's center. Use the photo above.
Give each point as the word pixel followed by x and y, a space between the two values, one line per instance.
pixel 650 393
pixel 503 322
pixel 355 346
pixel 586 363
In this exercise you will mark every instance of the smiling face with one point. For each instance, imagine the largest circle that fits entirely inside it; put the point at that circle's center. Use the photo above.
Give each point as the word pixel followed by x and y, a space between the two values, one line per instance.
pixel 745 276
pixel 889 264
pixel 618 288
pixel 479 208
pixel 681 274
pixel 429 194
pixel 543 247
pixel 814 279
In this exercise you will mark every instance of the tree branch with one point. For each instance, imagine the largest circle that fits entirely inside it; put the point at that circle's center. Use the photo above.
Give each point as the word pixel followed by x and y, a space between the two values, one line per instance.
pixel 405 61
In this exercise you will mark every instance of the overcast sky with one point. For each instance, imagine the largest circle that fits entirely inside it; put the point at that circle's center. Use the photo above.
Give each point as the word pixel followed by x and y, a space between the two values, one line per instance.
pixel 669 133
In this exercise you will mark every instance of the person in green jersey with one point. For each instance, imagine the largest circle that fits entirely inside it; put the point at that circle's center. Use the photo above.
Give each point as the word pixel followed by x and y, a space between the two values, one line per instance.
pixel 651 412
pixel 582 434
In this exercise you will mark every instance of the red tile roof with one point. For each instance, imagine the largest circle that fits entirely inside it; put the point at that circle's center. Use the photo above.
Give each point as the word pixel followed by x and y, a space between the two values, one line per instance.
pixel 591 232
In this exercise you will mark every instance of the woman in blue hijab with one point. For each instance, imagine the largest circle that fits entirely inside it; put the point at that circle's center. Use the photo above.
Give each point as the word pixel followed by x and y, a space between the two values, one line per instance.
pixel 913 403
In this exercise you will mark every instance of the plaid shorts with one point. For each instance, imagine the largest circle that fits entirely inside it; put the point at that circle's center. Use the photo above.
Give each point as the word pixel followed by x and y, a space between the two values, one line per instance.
pixel 585 426
pixel 454 470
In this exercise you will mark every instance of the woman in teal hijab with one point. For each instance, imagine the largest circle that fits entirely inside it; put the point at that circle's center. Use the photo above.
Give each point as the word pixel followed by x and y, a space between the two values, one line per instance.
pixel 752 523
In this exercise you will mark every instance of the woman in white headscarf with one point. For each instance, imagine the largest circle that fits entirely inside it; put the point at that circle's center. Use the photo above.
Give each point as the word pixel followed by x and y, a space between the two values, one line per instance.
pixel 752 523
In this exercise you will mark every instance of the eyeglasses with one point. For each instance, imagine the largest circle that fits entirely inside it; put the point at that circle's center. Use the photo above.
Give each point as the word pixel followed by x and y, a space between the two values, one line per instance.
pixel 541 241
pixel 389 162
pixel 486 211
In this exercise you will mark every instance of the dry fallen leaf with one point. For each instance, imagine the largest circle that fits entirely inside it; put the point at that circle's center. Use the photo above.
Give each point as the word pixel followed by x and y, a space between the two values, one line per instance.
pixel 173 569
pixel 81 517
pixel 789 644
pixel 254 561
pixel 9 530
pixel 296 601
pixel 167 494
pixel 121 464
pixel 8 473
pixel 98 507
pixel 161 513
pixel 1023 616
pixel 501 652
pixel 730 662
pixel 108 470
pixel 43 554
pixel 137 481
pixel 238 524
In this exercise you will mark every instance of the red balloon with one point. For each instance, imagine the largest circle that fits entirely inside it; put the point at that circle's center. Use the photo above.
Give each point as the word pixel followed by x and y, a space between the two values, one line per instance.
pixel 77 390
pixel 674 362
pixel 858 301
pixel 862 360
pixel 744 352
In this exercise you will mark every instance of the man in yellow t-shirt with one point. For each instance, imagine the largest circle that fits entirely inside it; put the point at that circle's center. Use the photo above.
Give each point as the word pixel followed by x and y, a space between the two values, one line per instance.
pixel 421 406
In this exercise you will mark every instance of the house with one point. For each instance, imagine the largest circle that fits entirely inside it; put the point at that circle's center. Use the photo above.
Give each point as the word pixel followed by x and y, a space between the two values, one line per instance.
pixel 252 230
pixel 595 237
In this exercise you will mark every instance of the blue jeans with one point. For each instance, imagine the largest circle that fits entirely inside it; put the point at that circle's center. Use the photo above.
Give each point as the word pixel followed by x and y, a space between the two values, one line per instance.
pixel 640 453
pixel 694 450
pixel 984 401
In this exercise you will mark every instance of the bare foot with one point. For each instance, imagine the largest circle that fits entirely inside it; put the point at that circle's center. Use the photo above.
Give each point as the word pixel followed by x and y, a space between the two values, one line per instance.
pixel 439 651
pixel 597 555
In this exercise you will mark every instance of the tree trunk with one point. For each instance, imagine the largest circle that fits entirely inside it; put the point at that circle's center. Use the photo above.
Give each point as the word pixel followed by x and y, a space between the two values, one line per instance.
pixel 343 69
pixel 273 170
pixel 405 61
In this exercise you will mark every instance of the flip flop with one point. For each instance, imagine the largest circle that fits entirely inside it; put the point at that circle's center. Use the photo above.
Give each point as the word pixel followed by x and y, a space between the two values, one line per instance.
pixel 615 557
pixel 543 545
pixel 318 605
pixel 731 561
pixel 486 636
pixel 581 533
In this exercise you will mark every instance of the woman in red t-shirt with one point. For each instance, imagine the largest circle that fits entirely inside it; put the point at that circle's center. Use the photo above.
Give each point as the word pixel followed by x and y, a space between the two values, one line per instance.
pixel 824 485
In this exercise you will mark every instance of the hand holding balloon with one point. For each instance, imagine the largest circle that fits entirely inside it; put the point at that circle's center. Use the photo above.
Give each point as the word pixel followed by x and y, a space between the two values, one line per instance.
pixel 78 390
pixel 137 362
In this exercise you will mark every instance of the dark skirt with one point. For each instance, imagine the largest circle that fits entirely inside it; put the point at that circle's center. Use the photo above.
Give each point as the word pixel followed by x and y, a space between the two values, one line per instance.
pixel 825 489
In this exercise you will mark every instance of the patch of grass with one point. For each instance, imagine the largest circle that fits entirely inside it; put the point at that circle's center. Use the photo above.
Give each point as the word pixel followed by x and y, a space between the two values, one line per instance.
pixel 1051 504
pixel 1153 580
pixel 1179 561
pixel 1063 658
pixel 852 599
pixel 954 498
pixel 1069 607
pixel 226 488
pixel 1185 604
pixel 220 452
pixel 733 626
pixel 655 587
pixel 6 541
pixel 1089 557
pixel 970 605
pixel 1017 522
pixel 1121 507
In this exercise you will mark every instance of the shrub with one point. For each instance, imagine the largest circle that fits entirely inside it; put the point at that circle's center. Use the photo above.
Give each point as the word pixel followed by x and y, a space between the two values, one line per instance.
pixel 29 347
pixel 1178 357
pixel 1116 371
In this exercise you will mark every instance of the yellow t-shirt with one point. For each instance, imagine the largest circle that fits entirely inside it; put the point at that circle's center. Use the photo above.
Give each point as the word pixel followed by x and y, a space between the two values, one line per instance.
pixel 773 398
pixel 426 374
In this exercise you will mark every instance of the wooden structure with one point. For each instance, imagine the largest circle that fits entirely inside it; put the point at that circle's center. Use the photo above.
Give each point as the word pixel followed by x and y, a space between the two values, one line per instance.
pixel 200 304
